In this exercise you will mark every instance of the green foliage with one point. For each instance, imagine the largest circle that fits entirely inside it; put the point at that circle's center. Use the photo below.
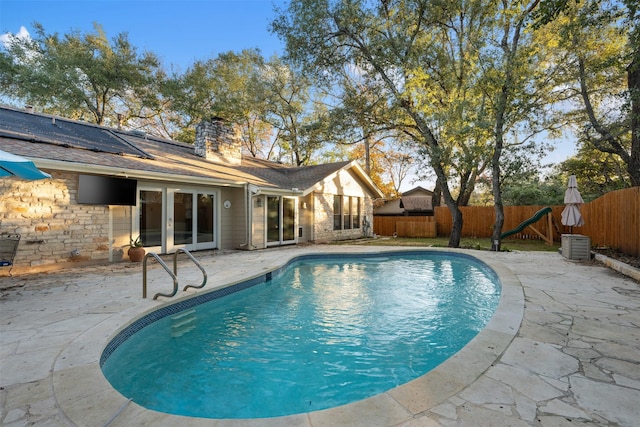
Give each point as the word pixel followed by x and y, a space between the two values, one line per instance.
pixel 453 77
pixel 77 75
pixel 547 192
pixel 597 46
pixel 597 173
pixel 299 118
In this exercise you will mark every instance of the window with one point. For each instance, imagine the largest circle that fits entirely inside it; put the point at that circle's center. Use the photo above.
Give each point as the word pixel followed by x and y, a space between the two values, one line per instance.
pixel 337 212
pixel 346 212
pixel 356 212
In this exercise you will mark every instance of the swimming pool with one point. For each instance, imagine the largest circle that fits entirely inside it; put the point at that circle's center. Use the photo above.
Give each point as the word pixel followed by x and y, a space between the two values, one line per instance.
pixel 379 321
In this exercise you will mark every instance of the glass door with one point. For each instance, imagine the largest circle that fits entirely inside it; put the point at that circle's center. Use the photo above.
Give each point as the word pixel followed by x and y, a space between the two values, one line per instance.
pixel 288 220
pixel 205 220
pixel 281 220
pixel 171 218
pixel 191 223
pixel 151 219
pixel 183 219
pixel 273 219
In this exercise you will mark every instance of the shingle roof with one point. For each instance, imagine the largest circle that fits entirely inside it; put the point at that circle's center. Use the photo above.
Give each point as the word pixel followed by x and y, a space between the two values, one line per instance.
pixel 416 204
pixel 42 136
pixel 287 176
pixel 69 133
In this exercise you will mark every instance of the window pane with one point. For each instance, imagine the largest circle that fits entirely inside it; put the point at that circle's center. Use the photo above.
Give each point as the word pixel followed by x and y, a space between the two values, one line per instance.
pixel 337 212
pixel 183 218
pixel 346 213
pixel 356 213
pixel 273 219
pixel 288 219
pixel 150 218
pixel 205 218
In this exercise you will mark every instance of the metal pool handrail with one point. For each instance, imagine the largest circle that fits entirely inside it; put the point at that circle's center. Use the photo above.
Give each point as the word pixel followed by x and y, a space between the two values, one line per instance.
pixel 173 274
pixel 144 276
pixel 175 268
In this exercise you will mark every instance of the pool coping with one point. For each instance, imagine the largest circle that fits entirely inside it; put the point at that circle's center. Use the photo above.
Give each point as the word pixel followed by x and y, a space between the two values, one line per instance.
pixel 79 363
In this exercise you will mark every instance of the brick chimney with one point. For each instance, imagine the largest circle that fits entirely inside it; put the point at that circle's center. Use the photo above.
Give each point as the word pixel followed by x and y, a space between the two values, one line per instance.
pixel 218 141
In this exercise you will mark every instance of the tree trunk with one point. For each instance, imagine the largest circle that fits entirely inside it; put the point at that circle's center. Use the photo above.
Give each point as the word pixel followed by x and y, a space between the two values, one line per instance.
pixel 456 228
pixel 437 195
pixel 496 241
pixel 367 154
pixel 452 204
pixel 496 172
pixel 633 83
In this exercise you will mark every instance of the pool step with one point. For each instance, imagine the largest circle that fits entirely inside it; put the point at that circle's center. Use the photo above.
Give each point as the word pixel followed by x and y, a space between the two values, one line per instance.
pixel 183 322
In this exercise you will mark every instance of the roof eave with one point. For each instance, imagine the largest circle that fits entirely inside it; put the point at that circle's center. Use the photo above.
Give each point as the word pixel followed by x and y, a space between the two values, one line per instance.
pixel 129 173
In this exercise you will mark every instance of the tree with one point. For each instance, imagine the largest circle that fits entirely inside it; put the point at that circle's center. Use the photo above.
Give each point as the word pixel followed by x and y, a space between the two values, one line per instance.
pixel 398 165
pixel 300 120
pixel 597 172
pixel 513 87
pixel 599 41
pixel 419 55
pixel 535 191
pixel 230 86
pixel 377 170
pixel 77 75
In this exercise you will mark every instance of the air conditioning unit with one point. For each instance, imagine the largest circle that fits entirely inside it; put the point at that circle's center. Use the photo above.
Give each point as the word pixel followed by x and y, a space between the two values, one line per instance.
pixel 576 246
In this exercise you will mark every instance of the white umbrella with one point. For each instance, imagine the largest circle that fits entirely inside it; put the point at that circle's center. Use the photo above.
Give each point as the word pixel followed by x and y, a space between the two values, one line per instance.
pixel 12 165
pixel 571 216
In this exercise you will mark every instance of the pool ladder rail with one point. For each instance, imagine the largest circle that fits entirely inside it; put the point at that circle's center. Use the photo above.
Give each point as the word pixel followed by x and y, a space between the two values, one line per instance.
pixel 173 274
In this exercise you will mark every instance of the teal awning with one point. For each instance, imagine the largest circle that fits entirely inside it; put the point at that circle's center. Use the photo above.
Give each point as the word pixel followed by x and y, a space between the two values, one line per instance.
pixel 12 165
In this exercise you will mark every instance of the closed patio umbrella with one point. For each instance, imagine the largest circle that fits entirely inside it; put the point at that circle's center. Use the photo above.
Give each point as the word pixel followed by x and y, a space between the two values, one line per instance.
pixel 12 165
pixel 571 216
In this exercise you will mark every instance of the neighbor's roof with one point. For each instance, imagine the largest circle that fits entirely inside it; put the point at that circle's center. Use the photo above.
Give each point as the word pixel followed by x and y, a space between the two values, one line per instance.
pixel 417 191
pixel 416 204
pixel 62 144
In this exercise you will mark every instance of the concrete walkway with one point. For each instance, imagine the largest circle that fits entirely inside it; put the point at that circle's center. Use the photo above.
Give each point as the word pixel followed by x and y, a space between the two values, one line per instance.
pixel 563 348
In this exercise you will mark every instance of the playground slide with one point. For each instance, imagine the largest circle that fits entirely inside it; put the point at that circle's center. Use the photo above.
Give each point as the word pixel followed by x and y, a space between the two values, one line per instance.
pixel 535 218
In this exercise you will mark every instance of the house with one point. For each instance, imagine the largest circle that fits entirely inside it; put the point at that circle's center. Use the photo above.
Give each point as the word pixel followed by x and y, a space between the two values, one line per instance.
pixel 109 186
pixel 415 202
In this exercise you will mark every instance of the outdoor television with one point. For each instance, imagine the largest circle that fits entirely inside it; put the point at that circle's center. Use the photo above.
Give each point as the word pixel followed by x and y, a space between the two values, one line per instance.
pixel 107 190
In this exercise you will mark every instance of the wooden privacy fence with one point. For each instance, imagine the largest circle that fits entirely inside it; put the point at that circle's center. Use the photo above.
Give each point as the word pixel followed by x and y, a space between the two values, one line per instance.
pixel 405 226
pixel 612 220
pixel 477 221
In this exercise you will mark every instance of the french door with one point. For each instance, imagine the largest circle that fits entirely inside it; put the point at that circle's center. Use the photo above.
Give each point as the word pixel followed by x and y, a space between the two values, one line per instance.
pixel 281 220
pixel 172 218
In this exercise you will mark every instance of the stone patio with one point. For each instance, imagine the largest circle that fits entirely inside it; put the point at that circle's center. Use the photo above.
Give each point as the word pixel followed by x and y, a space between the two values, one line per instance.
pixel 563 348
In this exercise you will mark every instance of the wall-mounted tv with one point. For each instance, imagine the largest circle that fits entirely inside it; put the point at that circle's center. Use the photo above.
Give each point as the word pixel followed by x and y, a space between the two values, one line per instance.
pixel 107 190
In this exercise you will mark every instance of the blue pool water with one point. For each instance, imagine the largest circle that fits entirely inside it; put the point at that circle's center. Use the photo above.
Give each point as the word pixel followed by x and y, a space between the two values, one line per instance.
pixel 321 332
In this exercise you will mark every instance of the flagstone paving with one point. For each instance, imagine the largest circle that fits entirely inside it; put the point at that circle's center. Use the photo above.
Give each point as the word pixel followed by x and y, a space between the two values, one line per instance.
pixel 562 350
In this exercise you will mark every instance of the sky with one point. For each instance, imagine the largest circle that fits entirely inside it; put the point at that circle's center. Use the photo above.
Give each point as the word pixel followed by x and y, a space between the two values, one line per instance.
pixel 178 31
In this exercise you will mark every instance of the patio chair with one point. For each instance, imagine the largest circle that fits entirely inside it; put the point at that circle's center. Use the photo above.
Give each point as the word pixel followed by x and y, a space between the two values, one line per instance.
pixel 8 248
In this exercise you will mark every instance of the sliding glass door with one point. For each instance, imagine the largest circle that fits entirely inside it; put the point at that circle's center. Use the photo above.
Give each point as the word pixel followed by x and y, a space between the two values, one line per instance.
pixel 281 220
pixel 191 222
pixel 151 217
pixel 171 218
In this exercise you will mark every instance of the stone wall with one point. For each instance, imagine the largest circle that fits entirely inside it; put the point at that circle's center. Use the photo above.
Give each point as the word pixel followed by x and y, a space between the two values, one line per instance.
pixel 323 219
pixel 54 228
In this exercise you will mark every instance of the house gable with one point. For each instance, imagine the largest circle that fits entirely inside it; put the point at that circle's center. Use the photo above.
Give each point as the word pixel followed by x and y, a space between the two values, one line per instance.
pixel 349 179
